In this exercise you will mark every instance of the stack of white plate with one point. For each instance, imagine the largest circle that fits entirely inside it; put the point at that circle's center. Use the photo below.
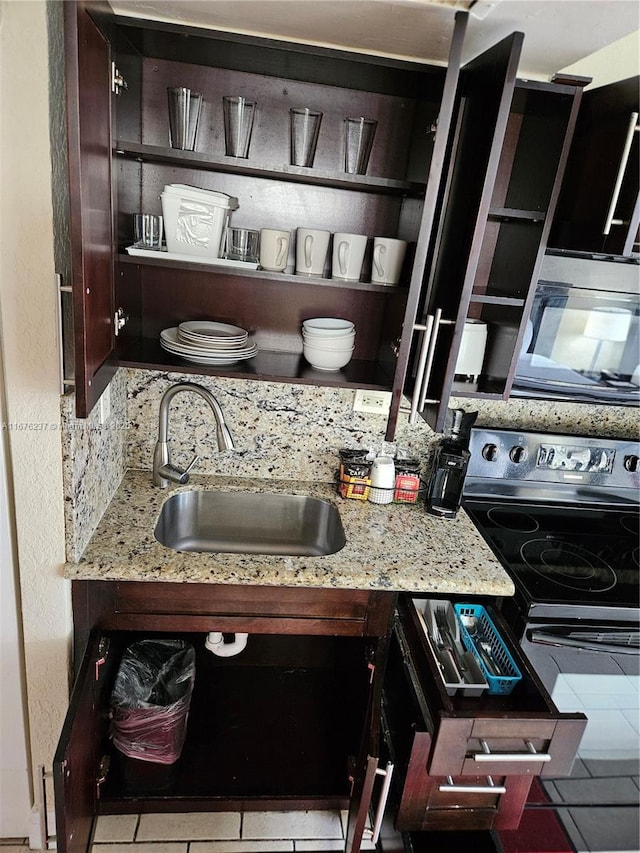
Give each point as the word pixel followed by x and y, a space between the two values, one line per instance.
pixel 207 342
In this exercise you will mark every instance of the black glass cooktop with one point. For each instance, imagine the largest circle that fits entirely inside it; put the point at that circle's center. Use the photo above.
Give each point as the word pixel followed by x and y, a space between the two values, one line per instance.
pixel 564 553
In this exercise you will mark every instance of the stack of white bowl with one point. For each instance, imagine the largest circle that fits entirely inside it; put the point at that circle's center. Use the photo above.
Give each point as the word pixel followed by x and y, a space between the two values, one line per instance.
pixel 328 342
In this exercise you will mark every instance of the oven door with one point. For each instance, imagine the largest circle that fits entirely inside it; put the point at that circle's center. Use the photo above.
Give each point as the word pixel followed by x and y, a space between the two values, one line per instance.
pixel 594 668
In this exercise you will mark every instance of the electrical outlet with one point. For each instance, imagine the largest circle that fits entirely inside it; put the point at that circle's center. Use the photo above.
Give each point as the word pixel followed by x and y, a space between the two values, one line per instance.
pixel 372 402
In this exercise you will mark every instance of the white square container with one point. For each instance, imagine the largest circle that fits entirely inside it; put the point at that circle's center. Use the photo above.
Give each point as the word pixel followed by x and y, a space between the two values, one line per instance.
pixel 195 220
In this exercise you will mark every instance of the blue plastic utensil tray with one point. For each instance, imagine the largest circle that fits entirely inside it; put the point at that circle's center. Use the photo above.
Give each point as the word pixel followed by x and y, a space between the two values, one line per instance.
pixel 504 683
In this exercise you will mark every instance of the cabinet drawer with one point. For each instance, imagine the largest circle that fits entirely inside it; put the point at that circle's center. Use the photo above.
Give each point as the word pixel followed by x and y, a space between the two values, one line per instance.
pixel 492 733
pixel 423 799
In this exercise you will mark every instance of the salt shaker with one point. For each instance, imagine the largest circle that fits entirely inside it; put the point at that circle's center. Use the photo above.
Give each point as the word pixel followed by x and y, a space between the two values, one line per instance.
pixel 383 480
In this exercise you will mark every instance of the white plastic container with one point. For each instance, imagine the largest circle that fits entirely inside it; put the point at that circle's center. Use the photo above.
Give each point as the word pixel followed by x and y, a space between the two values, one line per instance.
pixel 195 220
pixel 383 480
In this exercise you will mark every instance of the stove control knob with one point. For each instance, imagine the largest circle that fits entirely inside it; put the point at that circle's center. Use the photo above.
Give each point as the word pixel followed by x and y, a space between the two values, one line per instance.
pixel 632 464
pixel 490 452
pixel 518 453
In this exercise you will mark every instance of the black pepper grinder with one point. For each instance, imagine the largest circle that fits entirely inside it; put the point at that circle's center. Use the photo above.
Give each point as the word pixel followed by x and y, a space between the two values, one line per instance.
pixel 450 463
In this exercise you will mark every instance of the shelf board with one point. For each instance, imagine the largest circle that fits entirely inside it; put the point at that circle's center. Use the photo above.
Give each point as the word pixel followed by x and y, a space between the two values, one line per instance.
pixel 514 213
pixel 267 366
pixel 513 301
pixel 284 277
pixel 483 390
pixel 294 174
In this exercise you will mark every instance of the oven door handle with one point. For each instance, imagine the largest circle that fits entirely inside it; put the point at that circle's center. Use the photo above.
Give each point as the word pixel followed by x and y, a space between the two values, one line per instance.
pixel 595 643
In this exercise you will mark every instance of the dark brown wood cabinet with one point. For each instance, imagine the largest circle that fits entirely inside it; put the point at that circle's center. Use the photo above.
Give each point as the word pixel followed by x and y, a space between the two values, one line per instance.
pixel 397 197
pixel 457 170
pixel 445 777
pixel 508 153
pixel 599 207
pixel 333 687
pixel 291 723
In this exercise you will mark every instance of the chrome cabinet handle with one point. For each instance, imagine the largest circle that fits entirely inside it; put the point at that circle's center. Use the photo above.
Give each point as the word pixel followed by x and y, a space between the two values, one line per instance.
pixel 633 127
pixel 437 322
pixel 427 328
pixel 431 328
pixel 515 757
pixel 490 788
pixel 374 832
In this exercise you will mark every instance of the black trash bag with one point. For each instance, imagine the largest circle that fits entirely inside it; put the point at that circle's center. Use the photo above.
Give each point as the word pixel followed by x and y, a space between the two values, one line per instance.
pixel 151 698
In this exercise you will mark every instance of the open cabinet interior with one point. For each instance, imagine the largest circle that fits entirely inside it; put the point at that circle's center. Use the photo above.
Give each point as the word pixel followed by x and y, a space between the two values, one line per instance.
pixel 504 172
pixel 154 294
pixel 279 724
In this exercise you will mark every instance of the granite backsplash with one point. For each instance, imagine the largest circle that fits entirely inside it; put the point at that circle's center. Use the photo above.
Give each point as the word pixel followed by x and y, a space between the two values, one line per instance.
pixel 283 431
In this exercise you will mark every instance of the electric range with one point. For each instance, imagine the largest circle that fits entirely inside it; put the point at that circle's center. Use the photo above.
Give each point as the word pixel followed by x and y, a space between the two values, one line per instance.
pixel 562 514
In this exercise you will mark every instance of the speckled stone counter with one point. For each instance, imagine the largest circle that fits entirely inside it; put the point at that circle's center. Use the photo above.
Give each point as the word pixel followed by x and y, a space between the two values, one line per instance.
pixel 391 547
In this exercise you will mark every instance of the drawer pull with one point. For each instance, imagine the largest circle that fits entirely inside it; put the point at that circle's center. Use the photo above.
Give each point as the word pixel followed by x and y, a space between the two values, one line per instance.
pixel 489 788
pixel 373 833
pixel 487 755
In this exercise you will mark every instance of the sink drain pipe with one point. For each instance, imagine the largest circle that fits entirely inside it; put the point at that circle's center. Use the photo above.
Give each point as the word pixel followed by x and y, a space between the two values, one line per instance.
pixel 215 643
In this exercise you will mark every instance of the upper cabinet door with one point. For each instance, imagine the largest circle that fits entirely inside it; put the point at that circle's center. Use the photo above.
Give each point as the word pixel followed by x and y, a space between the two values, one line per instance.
pixel 485 96
pixel 599 206
pixel 88 76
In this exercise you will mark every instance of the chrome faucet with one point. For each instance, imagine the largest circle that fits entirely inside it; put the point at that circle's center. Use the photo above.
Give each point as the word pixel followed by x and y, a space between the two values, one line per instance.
pixel 163 471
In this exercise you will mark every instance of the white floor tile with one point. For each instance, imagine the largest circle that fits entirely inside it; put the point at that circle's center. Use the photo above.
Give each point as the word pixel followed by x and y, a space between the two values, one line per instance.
pixel 327 845
pixel 149 847
pixel 115 827
pixel 192 826
pixel 291 824
pixel 241 847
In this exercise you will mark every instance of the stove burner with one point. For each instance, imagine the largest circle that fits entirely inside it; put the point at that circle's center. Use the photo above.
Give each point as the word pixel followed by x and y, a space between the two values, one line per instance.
pixel 511 519
pixel 631 523
pixel 635 556
pixel 568 565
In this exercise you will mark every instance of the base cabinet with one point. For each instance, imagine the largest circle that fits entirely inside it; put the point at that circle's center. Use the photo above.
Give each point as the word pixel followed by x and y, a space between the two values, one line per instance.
pixel 435 740
pixel 287 724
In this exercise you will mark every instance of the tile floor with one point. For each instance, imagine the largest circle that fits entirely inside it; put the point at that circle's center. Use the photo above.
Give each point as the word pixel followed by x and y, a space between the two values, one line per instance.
pixel 222 832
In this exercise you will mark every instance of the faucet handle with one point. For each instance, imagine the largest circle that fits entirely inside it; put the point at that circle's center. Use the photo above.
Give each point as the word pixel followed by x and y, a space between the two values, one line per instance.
pixel 172 473
pixel 187 470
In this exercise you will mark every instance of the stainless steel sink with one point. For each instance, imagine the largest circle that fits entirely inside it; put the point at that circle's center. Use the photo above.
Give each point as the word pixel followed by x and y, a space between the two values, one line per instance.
pixel 250 523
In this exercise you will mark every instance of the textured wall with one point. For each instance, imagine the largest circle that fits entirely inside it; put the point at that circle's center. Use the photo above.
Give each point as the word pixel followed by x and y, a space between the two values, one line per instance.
pixel 29 341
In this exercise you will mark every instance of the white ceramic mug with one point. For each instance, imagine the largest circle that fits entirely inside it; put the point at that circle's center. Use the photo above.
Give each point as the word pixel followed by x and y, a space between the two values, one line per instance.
pixel 348 256
pixel 311 251
pixel 388 256
pixel 274 249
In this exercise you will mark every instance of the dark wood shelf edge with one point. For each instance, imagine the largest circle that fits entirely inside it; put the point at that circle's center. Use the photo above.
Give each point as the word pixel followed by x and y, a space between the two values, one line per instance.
pixel 458 390
pixel 267 366
pixel 512 301
pixel 516 213
pixel 295 174
pixel 283 277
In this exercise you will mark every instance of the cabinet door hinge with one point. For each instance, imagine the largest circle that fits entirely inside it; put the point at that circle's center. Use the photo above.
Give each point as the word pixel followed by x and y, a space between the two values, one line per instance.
pixel 103 653
pixel 118 83
pixel 119 320
pixel 103 772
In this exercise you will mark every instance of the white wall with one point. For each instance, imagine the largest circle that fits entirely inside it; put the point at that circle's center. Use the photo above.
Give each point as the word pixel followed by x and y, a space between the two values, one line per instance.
pixel 617 61
pixel 29 340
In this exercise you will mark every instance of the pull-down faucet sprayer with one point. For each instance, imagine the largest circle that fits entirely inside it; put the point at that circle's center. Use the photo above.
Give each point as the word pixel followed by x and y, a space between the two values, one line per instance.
pixel 163 471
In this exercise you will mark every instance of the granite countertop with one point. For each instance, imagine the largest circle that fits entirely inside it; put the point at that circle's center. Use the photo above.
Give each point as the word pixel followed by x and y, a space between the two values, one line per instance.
pixel 395 547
